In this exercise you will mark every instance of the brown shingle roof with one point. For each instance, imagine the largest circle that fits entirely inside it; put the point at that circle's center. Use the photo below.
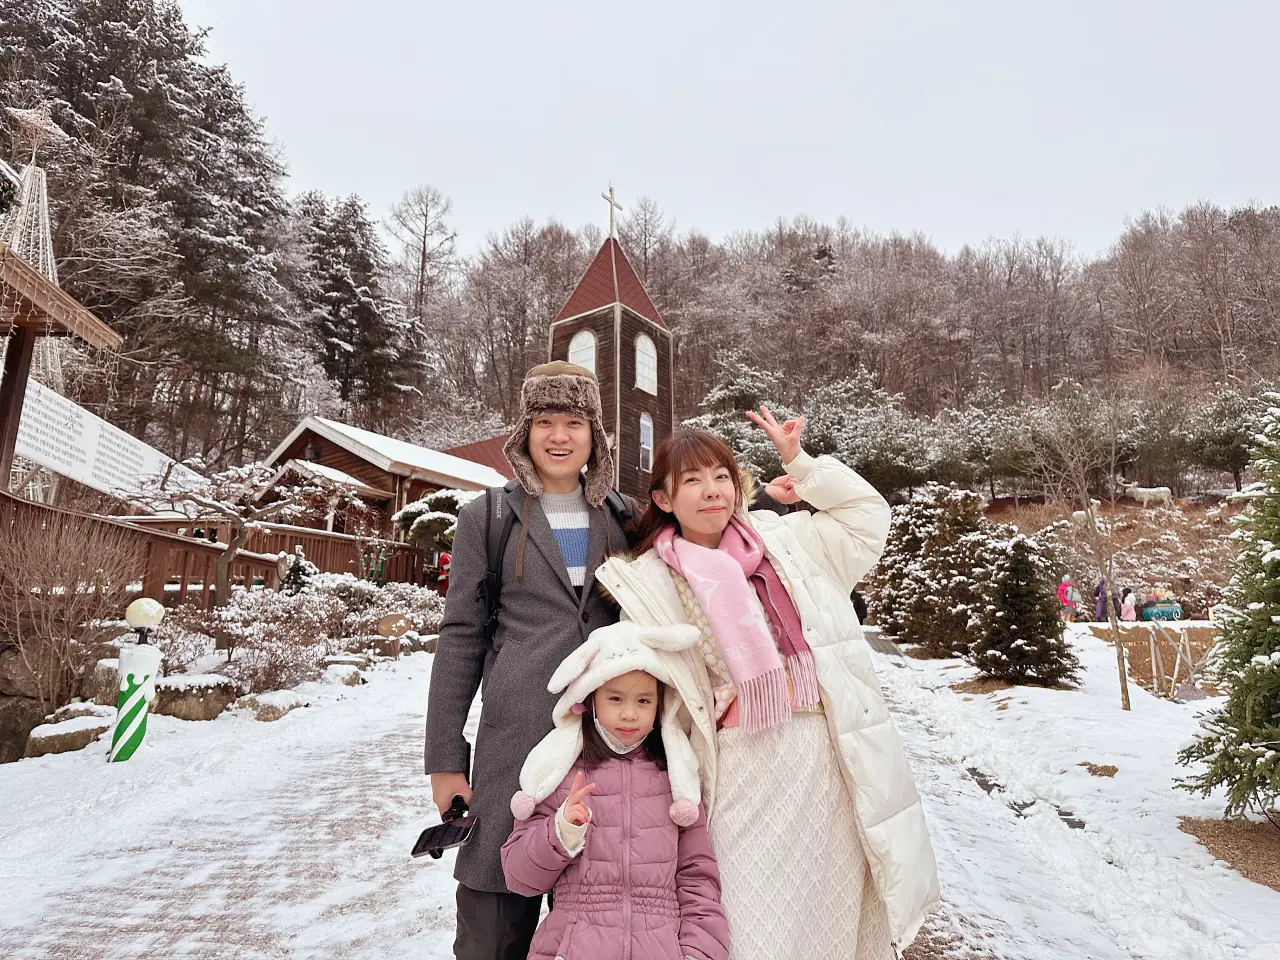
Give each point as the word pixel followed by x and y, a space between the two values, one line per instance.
pixel 488 452
pixel 595 289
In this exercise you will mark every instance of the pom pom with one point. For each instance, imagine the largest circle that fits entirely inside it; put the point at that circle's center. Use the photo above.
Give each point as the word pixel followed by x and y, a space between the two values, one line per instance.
pixel 577 708
pixel 684 813
pixel 522 805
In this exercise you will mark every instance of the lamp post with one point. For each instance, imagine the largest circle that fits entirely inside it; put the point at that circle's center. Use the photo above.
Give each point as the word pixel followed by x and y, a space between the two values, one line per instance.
pixel 139 666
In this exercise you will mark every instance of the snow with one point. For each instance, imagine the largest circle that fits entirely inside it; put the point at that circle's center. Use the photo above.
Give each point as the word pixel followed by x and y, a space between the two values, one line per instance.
pixel 1131 884
pixel 186 681
pixel 73 725
pixel 292 839
pixel 285 699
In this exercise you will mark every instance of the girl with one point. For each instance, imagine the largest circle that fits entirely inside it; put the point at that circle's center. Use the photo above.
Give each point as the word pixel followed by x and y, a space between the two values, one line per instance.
pixel 608 812
pixel 1128 607
pixel 813 811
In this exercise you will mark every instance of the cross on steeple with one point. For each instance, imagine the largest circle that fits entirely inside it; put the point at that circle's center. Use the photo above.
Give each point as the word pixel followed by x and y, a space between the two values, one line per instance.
pixel 613 205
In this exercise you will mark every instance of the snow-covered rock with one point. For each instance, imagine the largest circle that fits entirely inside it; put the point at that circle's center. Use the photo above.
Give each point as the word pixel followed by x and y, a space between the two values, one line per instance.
pixel 194 697
pixel 73 711
pixel 344 674
pixel 363 661
pixel 273 705
pixel 67 735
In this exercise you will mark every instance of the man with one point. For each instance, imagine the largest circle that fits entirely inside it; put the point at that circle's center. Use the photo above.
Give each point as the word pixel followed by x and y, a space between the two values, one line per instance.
pixel 548 606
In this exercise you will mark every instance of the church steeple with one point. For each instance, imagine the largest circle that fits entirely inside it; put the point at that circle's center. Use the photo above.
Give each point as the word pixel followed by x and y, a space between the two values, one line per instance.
pixel 610 325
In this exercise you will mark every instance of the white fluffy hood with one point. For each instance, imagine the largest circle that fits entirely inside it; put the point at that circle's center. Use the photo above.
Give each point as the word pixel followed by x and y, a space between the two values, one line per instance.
pixel 610 652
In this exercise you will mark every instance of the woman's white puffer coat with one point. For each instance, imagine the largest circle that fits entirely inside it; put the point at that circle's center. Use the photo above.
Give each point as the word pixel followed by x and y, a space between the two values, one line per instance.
pixel 821 557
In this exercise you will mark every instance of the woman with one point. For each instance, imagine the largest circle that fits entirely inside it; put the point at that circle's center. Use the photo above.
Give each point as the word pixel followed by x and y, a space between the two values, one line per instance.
pixel 812 809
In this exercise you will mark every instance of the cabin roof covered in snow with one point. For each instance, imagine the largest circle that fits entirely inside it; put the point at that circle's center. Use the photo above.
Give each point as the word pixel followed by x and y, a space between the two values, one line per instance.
pixel 596 288
pixel 396 456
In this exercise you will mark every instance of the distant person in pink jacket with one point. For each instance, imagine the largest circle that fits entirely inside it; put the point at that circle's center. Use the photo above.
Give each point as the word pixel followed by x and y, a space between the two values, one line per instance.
pixel 608 814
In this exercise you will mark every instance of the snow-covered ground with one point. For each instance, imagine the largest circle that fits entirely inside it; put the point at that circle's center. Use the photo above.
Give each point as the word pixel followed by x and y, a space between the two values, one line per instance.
pixel 237 838
pixel 1131 884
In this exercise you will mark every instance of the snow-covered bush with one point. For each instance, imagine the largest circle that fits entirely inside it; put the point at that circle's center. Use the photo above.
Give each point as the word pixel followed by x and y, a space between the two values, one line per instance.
pixel 1016 634
pixel 1240 741
pixel 183 637
pixel 276 640
pixel 365 603
pixel 431 521
pixel 923 590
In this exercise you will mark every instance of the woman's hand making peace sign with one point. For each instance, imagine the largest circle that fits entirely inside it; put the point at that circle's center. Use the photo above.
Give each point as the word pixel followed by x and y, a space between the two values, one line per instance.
pixel 786 438
pixel 576 810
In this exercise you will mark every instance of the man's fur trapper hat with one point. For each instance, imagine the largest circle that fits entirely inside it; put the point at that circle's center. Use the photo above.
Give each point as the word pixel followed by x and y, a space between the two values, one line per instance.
pixel 610 652
pixel 560 387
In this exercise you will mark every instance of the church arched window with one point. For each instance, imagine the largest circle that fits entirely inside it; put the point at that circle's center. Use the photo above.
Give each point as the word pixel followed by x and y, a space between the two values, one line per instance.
pixel 646 365
pixel 582 350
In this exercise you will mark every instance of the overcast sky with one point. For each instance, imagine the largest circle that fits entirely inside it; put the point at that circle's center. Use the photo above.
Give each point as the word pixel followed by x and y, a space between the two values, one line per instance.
pixel 964 119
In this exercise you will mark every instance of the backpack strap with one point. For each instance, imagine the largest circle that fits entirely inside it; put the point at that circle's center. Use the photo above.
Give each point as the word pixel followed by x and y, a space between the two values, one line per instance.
pixel 496 538
pixel 621 507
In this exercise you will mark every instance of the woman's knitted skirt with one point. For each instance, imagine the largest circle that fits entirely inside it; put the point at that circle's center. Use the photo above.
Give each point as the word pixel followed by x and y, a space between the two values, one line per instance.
pixel 793 873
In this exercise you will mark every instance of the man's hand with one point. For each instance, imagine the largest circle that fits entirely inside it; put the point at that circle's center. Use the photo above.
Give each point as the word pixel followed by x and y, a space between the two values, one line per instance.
pixel 446 786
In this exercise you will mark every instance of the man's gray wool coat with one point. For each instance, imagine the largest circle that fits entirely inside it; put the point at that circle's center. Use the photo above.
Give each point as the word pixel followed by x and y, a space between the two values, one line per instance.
pixel 541 622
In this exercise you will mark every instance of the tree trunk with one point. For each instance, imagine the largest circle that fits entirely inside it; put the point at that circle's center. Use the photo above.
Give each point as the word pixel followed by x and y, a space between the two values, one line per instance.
pixel 1119 642
pixel 222 572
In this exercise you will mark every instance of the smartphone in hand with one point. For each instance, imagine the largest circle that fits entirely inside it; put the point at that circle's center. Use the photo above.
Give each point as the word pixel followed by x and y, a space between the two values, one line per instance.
pixel 454 831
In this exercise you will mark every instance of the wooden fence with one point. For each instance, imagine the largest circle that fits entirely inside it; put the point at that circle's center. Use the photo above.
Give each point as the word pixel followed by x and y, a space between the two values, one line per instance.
pixel 174 566
pixel 181 556
pixel 383 561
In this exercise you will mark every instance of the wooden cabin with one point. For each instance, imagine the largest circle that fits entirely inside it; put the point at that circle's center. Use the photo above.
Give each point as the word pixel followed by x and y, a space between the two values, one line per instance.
pixel 387 473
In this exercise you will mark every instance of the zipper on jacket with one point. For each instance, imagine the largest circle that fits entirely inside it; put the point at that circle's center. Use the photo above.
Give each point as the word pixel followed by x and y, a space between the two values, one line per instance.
pixel 626 860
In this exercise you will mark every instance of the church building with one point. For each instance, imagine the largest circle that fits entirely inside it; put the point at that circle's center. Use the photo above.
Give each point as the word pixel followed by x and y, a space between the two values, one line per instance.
pixel 610 326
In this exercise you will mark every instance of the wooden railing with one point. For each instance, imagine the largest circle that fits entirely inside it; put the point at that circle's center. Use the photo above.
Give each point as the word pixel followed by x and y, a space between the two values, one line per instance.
pixel 383 561
pixel 173 565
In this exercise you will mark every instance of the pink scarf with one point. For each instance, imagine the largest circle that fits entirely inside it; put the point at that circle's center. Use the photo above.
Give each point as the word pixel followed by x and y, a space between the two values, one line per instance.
pixel 746 621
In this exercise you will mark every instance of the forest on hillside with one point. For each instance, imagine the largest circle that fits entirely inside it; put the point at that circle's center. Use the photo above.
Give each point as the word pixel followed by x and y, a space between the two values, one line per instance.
pixel 247 301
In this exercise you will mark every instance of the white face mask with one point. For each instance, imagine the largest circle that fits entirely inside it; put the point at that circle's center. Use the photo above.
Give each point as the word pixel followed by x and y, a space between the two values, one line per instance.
pixel 612 742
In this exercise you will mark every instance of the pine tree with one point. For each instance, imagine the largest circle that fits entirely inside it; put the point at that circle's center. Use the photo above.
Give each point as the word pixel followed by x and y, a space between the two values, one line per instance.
pixel 1016 634
pixel 1240 741
pixel 299 572
pixel 923 589
pixel 359 333
pixel 898 576
pixel 432 521
pixel 1222 432
pixel 741 386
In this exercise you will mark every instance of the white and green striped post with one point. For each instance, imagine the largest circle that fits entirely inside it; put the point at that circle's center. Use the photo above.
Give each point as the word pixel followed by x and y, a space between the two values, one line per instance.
pixel 139 667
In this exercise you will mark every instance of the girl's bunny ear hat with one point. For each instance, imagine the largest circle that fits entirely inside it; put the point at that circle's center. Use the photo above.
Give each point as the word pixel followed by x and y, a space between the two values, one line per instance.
pixel 610 652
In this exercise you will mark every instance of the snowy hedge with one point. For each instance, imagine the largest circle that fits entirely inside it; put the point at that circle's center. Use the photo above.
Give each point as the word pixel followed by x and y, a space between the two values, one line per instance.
pixel 275 640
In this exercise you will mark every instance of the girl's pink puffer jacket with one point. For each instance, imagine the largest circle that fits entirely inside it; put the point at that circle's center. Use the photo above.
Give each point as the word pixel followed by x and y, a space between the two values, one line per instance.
pixel 641 888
